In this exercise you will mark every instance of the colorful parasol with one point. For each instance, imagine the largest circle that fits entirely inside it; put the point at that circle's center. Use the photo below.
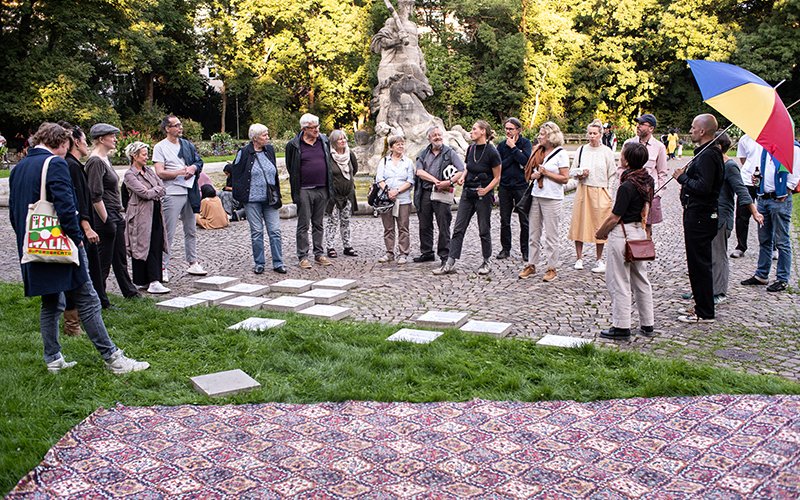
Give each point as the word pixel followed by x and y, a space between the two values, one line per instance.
pixel 750 103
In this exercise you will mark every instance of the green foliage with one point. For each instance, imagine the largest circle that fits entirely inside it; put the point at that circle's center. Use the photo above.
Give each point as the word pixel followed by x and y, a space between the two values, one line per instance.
pixel 127 138
pixel 147 121
pixel 192 130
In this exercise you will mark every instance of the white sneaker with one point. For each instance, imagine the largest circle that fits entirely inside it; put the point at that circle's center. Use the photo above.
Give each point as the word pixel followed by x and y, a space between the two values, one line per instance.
pixel 164 276
pixel 484 269
pixel 386 258
pixel 402 259
pixel 196 269
pixel 156 287
pixel 119 364
pixel 60 364
pixel 599 267
pixel 579 264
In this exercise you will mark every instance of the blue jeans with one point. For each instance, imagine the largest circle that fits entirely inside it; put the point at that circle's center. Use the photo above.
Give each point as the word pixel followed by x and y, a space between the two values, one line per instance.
pixel 259 213
pixel 775 231
pixel 88 304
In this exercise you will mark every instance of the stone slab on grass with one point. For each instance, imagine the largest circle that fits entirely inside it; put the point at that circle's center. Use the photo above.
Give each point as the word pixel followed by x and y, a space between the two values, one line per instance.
pixel 562 341
pixel 415 336
pixel 224 383
pixel 291 286
pixel 335 284
pixel 213 297
pixel 333 313
pixel 180 303
pixel 258 324
pixel 491 327
pixel 325 295
pixel 442 319
pixel 248 289
pixel 216 282
pixel 287 303
pixel 243 302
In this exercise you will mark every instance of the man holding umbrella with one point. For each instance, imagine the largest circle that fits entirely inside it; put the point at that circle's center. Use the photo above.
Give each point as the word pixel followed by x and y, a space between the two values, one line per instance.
pixel 701 182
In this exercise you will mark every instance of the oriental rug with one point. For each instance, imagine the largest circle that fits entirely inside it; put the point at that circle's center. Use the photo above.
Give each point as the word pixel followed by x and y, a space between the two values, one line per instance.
pixel 699 447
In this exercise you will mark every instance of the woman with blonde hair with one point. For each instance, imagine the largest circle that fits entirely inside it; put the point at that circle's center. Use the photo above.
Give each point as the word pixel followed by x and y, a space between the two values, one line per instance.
pixel 144 224
pixel 595 169
pixel 548 167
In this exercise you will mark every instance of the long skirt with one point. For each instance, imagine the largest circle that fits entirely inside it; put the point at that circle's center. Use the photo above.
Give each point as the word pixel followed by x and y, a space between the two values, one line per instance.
pixel 592 206
pixel 149 270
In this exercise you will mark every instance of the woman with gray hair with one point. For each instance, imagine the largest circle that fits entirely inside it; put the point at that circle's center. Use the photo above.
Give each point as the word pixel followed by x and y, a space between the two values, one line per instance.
pixel 396 173
pixel 254 177
pixel 144 224
pixel 343 202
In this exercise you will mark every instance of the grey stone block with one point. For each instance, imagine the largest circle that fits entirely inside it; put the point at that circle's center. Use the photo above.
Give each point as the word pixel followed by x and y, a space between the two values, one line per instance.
pixel 562 341
pixel 333 313
pixel 325 295
pixel 216 282
pixel 258 324
pixel 180 303
pixel 415 336
pixel 491 327
pixel 288 304
pixel 243 302
pixel 291 286
pixel 248 289
pixel 442 319
pixel 213 297
pixel 335 284
pixel 224 383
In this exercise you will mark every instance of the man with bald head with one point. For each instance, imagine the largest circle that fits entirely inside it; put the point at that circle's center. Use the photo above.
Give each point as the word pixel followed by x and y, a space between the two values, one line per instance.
pixel 701 181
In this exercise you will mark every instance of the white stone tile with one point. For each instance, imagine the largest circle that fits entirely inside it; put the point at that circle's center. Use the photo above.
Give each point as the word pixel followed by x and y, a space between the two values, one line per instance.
pixel 562 341
pixel 325 295
pixel 258 324
pixel 336 284
pixel 224 383
pixel 415 336
pixel 291 286
pixel 213 297
pixel 286 303
pixel 491 327
pixel 451 319
pixel 333 313
pixel 179 303
pixel 215 282
pixel 248 289
pixel 243 302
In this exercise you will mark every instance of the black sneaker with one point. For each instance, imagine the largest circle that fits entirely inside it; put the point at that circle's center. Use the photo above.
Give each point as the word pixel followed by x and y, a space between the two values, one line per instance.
pixel 647 331
pixel 504 254
pixel 778 286
pixel 259 269
pixel 616 333
pixel 426 257
pixel 280 270
pixel 754 280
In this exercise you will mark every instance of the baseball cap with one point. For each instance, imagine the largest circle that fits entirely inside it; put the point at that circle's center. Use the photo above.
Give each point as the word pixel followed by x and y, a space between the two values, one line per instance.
pixel 646 118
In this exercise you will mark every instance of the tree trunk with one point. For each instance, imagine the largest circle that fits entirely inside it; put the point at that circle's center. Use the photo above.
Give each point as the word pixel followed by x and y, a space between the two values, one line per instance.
pixel 149 91
pixel 224 92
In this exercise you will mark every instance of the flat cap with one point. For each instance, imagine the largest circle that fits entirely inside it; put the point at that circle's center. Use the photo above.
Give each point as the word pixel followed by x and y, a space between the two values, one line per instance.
pixel 101 129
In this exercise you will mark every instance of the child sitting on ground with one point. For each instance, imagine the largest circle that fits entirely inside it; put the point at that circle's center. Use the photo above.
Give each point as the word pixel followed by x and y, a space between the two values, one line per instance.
pixel 212 215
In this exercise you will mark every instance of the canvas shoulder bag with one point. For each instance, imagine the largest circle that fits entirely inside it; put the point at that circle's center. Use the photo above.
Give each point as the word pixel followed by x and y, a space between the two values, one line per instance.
pixel 45 240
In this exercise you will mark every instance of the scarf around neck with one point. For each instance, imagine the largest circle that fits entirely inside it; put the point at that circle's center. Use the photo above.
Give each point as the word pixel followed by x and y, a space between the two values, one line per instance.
pixel 342 160
pixel 641 180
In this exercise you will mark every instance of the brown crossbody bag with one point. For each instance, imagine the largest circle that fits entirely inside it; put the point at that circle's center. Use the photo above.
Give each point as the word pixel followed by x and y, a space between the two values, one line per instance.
pixel 636 250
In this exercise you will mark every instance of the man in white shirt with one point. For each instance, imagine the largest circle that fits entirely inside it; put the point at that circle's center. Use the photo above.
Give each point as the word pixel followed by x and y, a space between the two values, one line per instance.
pixel 177 163
pixel 749 153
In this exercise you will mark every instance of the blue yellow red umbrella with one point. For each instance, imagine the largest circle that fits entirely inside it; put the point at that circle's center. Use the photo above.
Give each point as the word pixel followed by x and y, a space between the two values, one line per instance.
pixel 750 103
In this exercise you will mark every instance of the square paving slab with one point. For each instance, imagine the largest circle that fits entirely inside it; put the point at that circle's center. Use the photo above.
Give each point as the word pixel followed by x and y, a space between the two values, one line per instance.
pixel 325 295
pixel 452 319
pixel 415 336
pixel 216 282
pixel 286 303
pixel 179 303
pixel 491 327
pixel 335 284
pixel 213 297
pixel 248 289
pixel 258 324
pixel 291 286
pixel 243 302
pixel 562 341
pixel 224 383
pixel 333 313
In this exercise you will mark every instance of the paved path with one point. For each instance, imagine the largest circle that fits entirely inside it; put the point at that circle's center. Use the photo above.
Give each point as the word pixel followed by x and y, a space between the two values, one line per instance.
pixel 756 331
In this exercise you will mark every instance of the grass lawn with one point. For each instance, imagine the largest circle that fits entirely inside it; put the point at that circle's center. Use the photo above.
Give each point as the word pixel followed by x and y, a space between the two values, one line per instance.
pixel 5 172
pixel 305 361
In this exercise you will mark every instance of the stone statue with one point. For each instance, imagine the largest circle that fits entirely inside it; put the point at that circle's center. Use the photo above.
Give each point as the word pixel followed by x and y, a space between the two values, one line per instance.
pixel 402 86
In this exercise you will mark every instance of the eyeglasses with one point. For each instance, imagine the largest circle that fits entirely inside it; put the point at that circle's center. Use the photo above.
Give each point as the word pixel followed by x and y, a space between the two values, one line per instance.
pixel 173 125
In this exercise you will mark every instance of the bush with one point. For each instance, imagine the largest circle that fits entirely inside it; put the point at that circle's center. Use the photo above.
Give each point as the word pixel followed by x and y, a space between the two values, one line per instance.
pixel 223 144
pixel 124 140
pixel 146 122
pixel 192 130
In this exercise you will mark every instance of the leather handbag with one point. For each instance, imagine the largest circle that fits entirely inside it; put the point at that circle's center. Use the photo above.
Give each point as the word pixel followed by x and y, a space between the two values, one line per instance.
pixel 638 250
pixel 45 240
pixel 524 205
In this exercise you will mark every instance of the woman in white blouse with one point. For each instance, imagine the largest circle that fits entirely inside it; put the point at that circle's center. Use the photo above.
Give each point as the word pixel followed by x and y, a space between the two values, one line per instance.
pixel 595 169
pixel 396 172
pixel 548 167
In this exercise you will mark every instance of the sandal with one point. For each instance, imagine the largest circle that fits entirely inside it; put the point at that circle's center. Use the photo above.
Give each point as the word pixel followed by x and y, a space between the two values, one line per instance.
pixel 332 253
pixel 350 252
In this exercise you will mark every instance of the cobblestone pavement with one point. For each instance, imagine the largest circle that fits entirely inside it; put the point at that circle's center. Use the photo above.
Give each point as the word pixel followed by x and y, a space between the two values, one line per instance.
pixel 756 331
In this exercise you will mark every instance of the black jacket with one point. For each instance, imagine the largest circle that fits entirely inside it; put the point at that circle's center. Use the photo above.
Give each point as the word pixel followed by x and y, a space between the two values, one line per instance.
pixel 514 161
pixel 241 172
pixel 702 181
pixel 82 196
pixel 293 164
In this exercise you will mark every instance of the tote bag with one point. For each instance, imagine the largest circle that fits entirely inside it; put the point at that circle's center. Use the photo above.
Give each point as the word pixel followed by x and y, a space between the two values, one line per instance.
pixel 45 240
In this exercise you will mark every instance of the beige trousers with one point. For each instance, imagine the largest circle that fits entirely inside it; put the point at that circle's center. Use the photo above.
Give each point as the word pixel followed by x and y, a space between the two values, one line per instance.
pixel 402 220
pixel 627 280
pixel 545 214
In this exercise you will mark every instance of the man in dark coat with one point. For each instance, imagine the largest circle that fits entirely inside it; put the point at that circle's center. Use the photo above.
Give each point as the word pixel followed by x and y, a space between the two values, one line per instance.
pixel 50 280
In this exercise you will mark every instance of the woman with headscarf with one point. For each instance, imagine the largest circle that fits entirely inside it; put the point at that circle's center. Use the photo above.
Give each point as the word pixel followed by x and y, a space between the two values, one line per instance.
pixel 627 281
pixel 343 203
pixel 144 224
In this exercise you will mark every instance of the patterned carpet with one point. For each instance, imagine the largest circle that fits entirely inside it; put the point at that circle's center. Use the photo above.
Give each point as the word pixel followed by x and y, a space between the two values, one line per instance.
pixel 717 446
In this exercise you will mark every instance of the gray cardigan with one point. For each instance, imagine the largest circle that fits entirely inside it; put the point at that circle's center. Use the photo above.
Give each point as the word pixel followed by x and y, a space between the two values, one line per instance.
pixel 731 186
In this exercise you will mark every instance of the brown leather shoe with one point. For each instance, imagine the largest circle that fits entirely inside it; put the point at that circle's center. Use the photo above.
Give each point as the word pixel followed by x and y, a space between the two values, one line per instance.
pixel 72 323
pixel 549 275
pixel 528 271
pixel 323 261
pixel 305 264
